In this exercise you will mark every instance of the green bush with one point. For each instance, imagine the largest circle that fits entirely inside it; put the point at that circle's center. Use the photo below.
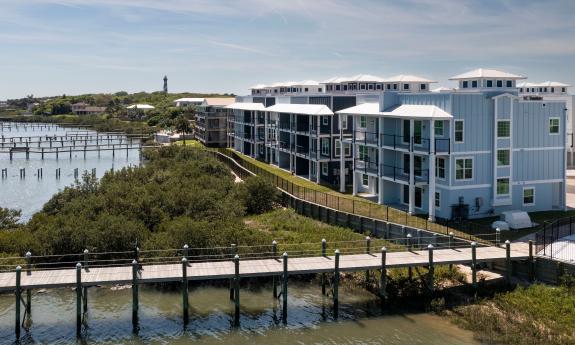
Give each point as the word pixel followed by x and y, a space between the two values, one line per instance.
pixel 258 195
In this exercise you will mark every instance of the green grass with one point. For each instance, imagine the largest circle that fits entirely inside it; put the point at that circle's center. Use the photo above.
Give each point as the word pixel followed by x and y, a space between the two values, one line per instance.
pixel 191 143
pixel 539 314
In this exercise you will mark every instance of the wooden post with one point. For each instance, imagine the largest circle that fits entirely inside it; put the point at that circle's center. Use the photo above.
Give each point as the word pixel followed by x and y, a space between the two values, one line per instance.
pixel 323 254
pixel 18 292
pixel 237 290
pixel 431 268
pixel 531 262
pixel 336 286
pixel 234 249
pixel 497 237
pixel 28 291
pixel 285 287
pixel 383 278
pixel 135 302
pixel 408 242
pixel 367 251
pixel 474 266
pixel 274 255
pixel 508 262
pixel 78 299
pixel 186 252
pixel 185 300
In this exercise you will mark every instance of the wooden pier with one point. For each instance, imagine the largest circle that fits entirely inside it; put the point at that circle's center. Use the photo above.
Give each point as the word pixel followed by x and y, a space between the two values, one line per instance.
pixel 235 263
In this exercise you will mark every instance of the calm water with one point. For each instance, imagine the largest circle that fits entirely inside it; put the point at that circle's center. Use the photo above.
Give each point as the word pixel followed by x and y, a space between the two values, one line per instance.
pixel 30 193
pixel 211 316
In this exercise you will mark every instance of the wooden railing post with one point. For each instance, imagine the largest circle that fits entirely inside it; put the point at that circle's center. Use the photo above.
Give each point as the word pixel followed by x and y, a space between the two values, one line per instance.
pixel 336 286
pixel 135 302
pixel 367 251
pixel 508 262
pixel 383 277
pixel 185 300
pixel 274 255
pixel 284 287
pixel 431 268
pixel 323 254
pixel 237 290
pixel 474 266
pixel 78 299
pixel 18 292
pixel 531 262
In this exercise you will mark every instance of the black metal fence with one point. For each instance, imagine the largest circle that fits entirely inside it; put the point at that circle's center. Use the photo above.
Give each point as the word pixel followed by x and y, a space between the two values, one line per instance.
pixel 555 241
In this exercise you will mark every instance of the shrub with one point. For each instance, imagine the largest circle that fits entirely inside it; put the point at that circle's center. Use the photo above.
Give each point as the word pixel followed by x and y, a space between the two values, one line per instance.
pixel 258 195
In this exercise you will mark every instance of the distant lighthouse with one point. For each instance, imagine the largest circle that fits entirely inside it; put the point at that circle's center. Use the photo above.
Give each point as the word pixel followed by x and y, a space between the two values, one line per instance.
pixel 165 84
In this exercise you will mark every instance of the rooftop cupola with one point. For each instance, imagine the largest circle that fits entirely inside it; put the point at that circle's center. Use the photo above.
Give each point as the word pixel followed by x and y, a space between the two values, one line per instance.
pixel 483 78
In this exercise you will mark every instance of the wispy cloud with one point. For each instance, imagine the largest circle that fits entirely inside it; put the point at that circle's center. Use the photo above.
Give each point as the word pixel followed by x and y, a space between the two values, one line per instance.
pixel 240 47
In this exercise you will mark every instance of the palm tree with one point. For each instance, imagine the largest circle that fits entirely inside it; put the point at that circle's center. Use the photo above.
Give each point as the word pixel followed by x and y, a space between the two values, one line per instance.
pixel 183 126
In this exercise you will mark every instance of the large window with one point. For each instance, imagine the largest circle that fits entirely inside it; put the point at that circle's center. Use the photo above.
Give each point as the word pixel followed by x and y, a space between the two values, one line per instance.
pixel 459 131
pixel 347 149
pixel 503 129
pixel 489 83
pixel 503 186
pixel 325 146
pixel 337 147
pixel 464 169
pixel 554 125
pixel 439 128
pixel 440 167
pixel 503 157
pixel 528 196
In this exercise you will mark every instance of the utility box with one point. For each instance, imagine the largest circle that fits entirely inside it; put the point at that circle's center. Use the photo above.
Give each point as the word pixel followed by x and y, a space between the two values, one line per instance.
pixel 517 219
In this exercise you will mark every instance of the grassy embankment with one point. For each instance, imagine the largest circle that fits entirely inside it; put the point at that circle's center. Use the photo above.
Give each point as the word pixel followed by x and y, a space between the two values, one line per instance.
pixel 538 314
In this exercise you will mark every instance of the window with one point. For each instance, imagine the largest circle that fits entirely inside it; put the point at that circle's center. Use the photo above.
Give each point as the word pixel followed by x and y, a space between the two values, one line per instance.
pixel 395 86
pixel 423 87
pixel 343 121
pixel 500 83
pixel 362 122
pixel 554 125
pixel 417 131
pixel 325 146
pixel 440 168
pixel 337 147
pixel 465 84
pixel 346 149
pixel 503 186
pixel 406 164
pixel 528 196
pixel 509 83
pixel 417 165
pixel 365 180
pixel 306 89
pixel 324 169
pixel 319 90
pixel 503 157
pixel 337 88
pixel 474 83
pixel 362 86
pixel 489 83
pixel 406 86
pixel 363 153
pixel 388 86
pixel 563 89
pixel 544 89
pixel 458 131
pixel 437 200
pixel 464 169
pixel 370 86
pixel 378 86
pixel 325 120
pixel 439 128
pixel 503 129
pixel 552 90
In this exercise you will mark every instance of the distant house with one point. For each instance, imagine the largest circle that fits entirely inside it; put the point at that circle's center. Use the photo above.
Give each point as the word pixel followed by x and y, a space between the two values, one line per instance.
pixel 139 109
pixel 186 102
pixel 82 108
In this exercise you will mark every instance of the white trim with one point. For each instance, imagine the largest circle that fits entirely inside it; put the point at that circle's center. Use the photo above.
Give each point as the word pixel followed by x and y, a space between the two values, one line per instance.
pixel 437 169
pixel 509 185
pixel 472 169
pixel 520 183
pixel 470 153
pixel 523 196
pixel 539 148
pixel 469 186
pixel 462 131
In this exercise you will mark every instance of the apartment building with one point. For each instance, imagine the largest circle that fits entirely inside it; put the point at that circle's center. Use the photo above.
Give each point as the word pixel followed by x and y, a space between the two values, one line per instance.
pixel 211 121
pixel 471 151
pixel 552 90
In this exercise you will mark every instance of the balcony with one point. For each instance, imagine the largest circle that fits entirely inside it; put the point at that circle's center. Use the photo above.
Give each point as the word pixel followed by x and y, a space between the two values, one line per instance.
pixel 415 144
pixel 303 150
pixel 366 137
pixel 366 166
pixel 400 174
pixel 395 142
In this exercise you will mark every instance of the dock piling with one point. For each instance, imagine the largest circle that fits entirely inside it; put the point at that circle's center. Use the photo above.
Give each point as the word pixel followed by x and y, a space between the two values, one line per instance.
pixel 185 300
pixel 18 293
pixel 237 290
pixel 274 255
pixel 323 254
pixel 234 249
pixel 367 251
pixel 531 262
pixel 135 301
pixel 78 299
pixel 285 287
pixel 336 286
pixel 474 266
pixel 383 277
pixel 508 262
pixel 431 268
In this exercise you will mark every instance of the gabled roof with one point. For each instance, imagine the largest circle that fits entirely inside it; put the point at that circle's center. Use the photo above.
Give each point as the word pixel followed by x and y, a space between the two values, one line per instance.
pixel 406 78
pixel 246 106
pixel 486 73
pixel 191 100
pixel 364 78
pixel 258 87
pixel 303 109
pixel 403 110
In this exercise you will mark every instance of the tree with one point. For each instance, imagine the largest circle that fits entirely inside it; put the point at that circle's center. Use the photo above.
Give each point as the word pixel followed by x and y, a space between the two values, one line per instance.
pixel 9 218
pixel 258 194
pixel 183 126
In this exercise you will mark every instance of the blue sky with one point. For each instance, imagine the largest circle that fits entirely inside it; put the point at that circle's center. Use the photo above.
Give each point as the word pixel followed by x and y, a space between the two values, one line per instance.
pixel 51 47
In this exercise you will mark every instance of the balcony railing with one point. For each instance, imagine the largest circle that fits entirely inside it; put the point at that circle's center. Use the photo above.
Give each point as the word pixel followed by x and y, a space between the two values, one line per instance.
pixel 415 143
pixel 396 141
pixel 401 174
pixel 366 137
pixel 366 166
pixel 304 150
